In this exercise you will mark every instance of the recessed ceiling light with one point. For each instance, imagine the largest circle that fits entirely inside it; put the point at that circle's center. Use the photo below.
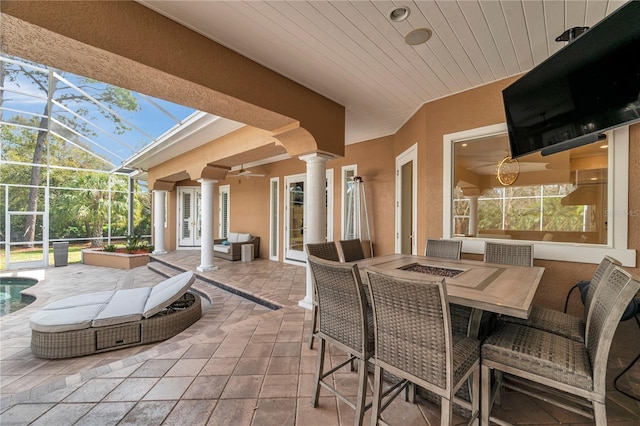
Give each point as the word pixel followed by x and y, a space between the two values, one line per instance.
pixel 417 36
pixel 603 146
pixel 593 178
pixel 399 14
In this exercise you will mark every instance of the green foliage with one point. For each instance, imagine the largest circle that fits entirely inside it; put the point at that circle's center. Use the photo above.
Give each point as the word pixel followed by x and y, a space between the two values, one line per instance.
pixel 109 248
pixel 134 243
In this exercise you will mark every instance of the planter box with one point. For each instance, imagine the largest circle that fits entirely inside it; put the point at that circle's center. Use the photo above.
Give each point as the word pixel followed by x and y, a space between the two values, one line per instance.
pixel 99 257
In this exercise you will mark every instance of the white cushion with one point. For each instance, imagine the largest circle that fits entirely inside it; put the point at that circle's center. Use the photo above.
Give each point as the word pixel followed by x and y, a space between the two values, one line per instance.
pixel 125 306
pixel 232 237
pixel 65 319
pixel 101 297
pixel 167 292
pixel 243 238
pixel 221 248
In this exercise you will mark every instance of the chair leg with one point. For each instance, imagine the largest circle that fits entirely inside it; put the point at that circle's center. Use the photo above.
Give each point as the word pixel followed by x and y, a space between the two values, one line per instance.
pixel 314 324
pixel 485 394
pixel 446 411
pixel 362 392
pixel 377 395
pixel 319 373
pixel 475 395
pixel 599 413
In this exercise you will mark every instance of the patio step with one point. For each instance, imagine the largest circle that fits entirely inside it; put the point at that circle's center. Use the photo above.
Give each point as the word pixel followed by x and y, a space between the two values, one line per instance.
pixel 168 270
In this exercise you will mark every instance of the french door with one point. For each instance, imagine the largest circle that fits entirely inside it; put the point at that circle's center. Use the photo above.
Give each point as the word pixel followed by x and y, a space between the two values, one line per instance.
pixel 294 233
pixel 189 217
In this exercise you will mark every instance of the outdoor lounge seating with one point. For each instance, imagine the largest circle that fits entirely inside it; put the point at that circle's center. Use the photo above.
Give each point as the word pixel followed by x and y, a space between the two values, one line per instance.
pixel 107 320
pixel 230 248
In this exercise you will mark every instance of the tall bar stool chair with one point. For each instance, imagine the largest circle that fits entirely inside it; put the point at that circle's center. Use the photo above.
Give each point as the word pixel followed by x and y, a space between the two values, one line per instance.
pixel 351 250
pixel 327 251
pixel 414 342
pixel 508 254
pixel 344 323
pixel 563 324
pixel 444 249
pixel 550 367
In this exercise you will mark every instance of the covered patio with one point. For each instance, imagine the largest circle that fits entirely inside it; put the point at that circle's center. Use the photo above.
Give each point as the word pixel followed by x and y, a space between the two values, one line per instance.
pixel 245 362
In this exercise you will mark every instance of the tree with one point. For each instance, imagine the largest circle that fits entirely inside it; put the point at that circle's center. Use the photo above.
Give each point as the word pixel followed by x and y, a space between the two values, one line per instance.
pixel 82 103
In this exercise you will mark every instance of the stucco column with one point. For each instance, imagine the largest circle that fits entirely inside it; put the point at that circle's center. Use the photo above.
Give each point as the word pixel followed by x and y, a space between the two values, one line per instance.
pixel 473 216
pixel 206 248
pixel 315 210
pixel 159 199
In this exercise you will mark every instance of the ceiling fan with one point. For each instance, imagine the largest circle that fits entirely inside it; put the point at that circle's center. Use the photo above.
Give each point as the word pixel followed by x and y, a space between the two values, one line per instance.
pixel 244 173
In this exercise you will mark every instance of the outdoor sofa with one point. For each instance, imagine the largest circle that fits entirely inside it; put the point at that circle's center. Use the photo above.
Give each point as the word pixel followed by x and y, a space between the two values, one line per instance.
pixel 97 322
pixel 230 248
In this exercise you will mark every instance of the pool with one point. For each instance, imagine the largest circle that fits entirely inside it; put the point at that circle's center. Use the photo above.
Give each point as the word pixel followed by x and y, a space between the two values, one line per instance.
pixel 10 298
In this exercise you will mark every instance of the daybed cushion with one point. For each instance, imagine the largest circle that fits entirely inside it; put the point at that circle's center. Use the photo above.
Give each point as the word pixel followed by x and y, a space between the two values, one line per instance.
pixel 125 306
pixel 102 297
pixel 167 292
pixel 67 319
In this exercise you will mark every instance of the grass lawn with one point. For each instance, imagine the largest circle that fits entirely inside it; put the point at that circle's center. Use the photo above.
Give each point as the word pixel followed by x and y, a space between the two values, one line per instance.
pixel 25 255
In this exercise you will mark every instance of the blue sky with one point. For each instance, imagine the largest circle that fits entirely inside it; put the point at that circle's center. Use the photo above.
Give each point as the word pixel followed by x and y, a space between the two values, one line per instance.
pixel 23 97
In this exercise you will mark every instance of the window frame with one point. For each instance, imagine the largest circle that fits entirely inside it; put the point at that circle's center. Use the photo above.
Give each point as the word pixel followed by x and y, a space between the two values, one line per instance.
pixel 617 212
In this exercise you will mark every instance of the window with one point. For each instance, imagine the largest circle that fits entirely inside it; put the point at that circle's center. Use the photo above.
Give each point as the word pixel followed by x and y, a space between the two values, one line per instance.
pixel 223 220
pixel 565 198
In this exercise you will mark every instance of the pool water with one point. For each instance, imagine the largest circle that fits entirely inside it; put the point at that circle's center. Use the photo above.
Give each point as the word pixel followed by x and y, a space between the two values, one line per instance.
pixel 10 298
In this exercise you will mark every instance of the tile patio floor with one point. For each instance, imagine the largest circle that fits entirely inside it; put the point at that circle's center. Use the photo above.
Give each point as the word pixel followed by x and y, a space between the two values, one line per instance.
pixel 242 363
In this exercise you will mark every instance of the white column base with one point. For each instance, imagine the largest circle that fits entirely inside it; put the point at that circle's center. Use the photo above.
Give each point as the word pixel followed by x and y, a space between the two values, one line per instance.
pixel 208 268
pixel 159 252
pixel 307 304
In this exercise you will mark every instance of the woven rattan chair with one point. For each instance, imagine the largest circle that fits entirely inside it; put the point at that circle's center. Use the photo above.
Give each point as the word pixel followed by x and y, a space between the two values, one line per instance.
pixel 414 342
pixel 351 250
pixel 445 249
pixel 327 251
pixel 508 254
pixel 563 324
pixel 345 324
pixel 549 366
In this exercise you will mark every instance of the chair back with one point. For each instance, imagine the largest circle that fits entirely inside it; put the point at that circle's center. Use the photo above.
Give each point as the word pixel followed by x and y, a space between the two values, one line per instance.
pixel 446 249
pixel 412 327
pixel 612 298
pixel 327 251
pixel 351 250
pixel 508 254
pixel 605 267
pixel 342 306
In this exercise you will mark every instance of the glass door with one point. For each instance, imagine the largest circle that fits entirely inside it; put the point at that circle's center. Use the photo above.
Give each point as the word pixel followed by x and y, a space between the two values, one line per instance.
pixel 294 218
pixel 189 217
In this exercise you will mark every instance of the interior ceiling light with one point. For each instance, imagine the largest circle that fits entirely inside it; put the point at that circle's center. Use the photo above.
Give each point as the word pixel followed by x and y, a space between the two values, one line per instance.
pixel 399 14
pixel 417 36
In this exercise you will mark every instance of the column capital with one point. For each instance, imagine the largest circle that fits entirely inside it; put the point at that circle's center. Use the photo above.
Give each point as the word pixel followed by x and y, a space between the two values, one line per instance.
pixel 203 181
pixel 316 157
pixel 159 190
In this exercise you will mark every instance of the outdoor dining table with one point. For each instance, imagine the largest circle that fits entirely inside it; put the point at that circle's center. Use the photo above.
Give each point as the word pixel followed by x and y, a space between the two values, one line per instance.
pixel 497 288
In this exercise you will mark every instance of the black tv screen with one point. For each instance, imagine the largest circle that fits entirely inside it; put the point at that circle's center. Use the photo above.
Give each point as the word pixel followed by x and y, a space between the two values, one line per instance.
pixel 589 86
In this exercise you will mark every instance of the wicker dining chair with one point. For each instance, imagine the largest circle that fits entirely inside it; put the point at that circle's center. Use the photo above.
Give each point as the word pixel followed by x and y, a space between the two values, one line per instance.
pixel 542 363
pixel 351 250
pixel 344 322
pixel 562 324
pixel 414 342
pixel 327 251
pixel 445 249
pixel 508 254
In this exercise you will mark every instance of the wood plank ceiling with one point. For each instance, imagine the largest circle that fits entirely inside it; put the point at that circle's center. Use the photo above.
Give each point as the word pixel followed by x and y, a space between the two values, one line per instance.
pixel 352 53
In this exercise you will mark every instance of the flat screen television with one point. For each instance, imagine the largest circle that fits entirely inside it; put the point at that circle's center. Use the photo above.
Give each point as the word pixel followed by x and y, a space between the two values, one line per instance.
pixel 589 86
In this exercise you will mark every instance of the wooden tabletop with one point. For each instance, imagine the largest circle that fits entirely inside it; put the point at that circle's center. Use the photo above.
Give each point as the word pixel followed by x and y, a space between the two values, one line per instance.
pixel 503 289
